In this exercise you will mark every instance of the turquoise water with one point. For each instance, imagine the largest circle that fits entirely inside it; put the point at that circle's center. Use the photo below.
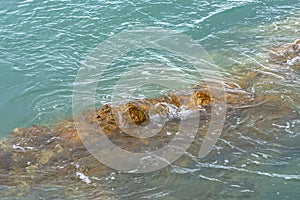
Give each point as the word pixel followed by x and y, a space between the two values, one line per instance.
pixel 44 42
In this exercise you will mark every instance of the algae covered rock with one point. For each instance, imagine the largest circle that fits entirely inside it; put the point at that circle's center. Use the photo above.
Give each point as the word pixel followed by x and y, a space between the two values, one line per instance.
pixel 40 154
pixel 287 54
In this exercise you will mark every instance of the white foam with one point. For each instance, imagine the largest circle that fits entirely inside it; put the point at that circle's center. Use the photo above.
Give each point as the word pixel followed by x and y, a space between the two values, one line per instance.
pixel 146 73
pixel 18 147
pixel 83 177
pixel 293 61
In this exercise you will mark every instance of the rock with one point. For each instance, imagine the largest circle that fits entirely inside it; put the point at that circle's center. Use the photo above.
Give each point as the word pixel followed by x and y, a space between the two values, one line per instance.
pixel 58 148
pixel 15 130
pixel 200 98
pixel 133 113
pixel 40 154
pixel 32 169
pixel 45 157
pixel 287 54
pixel 7 161
pixel 106 119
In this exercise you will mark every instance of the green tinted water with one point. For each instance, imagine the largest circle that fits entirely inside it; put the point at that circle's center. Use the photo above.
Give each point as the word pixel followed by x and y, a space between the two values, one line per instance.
pixel 44 42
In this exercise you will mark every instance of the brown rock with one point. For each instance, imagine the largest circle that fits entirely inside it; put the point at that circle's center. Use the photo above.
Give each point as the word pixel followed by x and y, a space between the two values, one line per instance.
pixel 287 54
pixel 135 113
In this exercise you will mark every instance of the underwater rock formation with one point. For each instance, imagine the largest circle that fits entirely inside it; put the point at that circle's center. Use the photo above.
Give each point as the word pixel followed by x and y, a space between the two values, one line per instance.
pixel 44 155
pixel 288 54
pixel 138 112
pixel 41 154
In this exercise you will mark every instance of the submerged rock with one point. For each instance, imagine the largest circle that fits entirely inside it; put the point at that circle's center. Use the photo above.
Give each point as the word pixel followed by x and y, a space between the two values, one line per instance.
pixel 40 154
pixel 139 112
pixel 287 54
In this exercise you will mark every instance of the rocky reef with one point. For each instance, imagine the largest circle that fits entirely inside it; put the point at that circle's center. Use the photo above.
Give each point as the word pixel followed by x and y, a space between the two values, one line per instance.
pixel 40 154
pixel 287 54
pixel 138 112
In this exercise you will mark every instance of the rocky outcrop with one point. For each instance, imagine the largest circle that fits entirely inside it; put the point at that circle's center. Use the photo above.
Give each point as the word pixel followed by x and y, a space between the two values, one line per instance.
pixel 287 54
pixel 58 151
pixel 139 112
pixel 40 154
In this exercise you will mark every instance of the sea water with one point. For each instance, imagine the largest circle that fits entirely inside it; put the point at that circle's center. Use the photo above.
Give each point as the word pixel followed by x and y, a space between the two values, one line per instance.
pixel 43 44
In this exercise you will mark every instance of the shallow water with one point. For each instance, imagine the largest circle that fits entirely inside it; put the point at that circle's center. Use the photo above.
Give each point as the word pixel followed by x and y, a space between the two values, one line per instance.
pixel 44 43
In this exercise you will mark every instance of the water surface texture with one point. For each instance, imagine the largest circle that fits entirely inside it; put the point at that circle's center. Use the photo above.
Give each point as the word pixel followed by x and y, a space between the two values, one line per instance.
pixel 43 44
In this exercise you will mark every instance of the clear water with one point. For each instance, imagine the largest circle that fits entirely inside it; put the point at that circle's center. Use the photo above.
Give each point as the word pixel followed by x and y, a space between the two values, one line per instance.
pixel 44 42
